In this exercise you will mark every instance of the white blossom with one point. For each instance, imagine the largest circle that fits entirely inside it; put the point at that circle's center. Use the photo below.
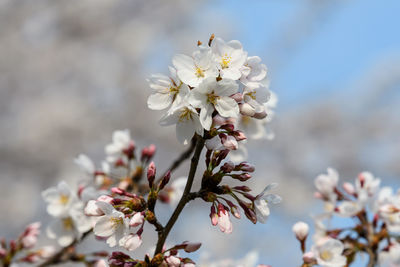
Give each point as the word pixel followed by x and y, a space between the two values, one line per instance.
pixel 262 201
pixel 166 90
pixel 112 224
pixel 121 141
pixel 329 253
pixel 59 199
pixel 68 228
pixel 214 94
pixel 300 229
pixel 86 164
pixel 187 122
pixel 193 70
pixel 326 184
pixel 230 57
pixel 253 72
pixel 366 187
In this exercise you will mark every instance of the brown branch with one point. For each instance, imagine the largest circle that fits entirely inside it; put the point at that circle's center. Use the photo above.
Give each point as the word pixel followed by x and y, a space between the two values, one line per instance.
pixel 184 156
pixel 186 196
pixel 65 254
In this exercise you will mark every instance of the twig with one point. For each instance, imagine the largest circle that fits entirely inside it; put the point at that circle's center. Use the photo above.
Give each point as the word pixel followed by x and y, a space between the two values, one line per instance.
pixel 64 254
pixel 186 196
pixel 184 156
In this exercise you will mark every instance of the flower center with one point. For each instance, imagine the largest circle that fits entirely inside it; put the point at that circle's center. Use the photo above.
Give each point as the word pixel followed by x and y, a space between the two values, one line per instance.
pixel 115 221
pixel 185 115
pixel 173 90
pixel 212 98
pixel 64 199
pixel 199 73
pixel 225 60
pixel 326 255
pixel 68 224
pixel 252 95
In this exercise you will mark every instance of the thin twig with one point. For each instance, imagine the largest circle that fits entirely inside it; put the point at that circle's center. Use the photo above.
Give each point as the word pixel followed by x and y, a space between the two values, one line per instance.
pixel 64 254
pixel 186 196
pixel 184 156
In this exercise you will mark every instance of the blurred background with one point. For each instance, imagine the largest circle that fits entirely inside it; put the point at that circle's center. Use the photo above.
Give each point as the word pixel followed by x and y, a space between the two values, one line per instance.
pixel 71 72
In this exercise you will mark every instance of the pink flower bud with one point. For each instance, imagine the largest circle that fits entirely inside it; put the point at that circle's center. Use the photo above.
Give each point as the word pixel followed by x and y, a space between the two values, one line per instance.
pixel 173 261
pixel 230 143
pixel 117 191
pixel 238 97
pixel 308 257
pixel 192 247
pixel 349 188
pixel 105 198
pixel 213 216
pixel 136 219
pixel 239 135
pixel 29 237
pixel 228 167
pixel 151 173
pixel 247 167
pixel 148 152
pixel 218 120
pixel 260 115
pixel 300 229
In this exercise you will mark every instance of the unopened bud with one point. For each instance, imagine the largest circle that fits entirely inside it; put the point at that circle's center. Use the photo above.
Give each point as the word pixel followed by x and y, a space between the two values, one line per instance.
pixel 192 247
pixel 309 257
pixel 246 110
pixel 245 166
pixel 165 180
pixel 239 135
pixel 349 188
pixel 300 229
pixel 151 173
pixel 148 152
pixel 238 97
pixel 241 177
pixel 228 167
pixel 213 216
pixel 260 115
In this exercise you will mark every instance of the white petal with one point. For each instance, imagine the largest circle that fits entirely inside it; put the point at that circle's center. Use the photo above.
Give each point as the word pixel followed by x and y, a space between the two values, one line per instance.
pixel 227 107
pixel 185 131
pixel 159 101
pixel 104 226
pixel 206 117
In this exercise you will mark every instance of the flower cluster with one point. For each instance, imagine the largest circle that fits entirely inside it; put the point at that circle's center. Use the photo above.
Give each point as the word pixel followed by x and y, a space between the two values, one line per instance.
pixel 218 84
pixel 376 214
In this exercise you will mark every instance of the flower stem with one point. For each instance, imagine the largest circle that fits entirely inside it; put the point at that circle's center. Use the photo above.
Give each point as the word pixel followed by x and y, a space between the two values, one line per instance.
pixel 186 197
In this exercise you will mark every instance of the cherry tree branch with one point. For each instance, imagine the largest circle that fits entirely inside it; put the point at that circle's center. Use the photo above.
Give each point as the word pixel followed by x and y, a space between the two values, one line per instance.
pixel 65 254
pixel 186 196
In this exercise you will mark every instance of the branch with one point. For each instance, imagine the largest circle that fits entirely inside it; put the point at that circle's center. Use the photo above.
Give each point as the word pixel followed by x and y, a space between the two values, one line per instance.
pixel 184 156
pixel 64 254
pixel 186 196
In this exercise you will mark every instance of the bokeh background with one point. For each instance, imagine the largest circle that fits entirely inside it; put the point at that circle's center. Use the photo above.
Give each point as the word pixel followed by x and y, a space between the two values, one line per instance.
pixel 71 72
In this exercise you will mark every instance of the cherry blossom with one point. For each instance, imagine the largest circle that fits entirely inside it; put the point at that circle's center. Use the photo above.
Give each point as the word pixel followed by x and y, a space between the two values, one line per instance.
pixel 262 200
pixel 329 253
pixel 214 95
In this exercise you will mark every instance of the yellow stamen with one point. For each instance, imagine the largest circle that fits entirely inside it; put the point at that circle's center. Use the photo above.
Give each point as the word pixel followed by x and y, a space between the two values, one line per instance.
pixel 225 60
pixel 252 94
pixel 199 73
pixel 212 98
pixel 68 224
pixel 116 221
pixel 185 115
pixel 326 255
pixel 64 199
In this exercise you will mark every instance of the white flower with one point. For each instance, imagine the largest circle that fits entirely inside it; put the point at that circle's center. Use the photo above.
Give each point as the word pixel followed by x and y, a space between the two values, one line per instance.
pixel 230 57
pixel 167 90
pixel 112 224
pixel 262 200
pixel 86 164
pixel 390 258
pixel 121 141
pixel 193 70
pixel 67 229
pixel 366 187
pixel 187 122
pixel 131 241
pixel 59 199
pixel 240 154
pixel 388 208
pixel 256 98
pixel 349 208
pixel 326 184
pixel 212 94
pixel 329 253
pixel 253 72
pixel 300 229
